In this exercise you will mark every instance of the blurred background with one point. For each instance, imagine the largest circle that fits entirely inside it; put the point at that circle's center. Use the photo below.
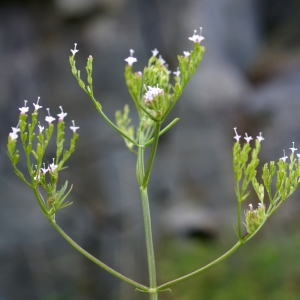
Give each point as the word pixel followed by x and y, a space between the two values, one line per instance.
pixel 249 78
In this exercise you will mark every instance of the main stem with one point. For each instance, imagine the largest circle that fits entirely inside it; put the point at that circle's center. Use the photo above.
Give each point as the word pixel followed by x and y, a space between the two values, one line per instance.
pixel 143 178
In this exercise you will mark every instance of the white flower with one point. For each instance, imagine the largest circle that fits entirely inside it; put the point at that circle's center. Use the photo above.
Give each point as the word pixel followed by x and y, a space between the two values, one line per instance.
pixel 162 61
pixel 74 128
pixel 130 60
pixel 251 206
pixel 74 51
pixel 49 118
pixel 293 149
pixel 62 114
pixel 260 138
pixel 197 38
pixel 152 93
pixel 177 73
pixel 237 137
pixel 52 167
pixel 248 138
pixel 44 170
pixel 154 52
pixel 186 53
pixel 14 134
pixel 38 177
pixel 37 106
pixel 284 158
pixel 24 109
pixel 298 155
pixel 41 128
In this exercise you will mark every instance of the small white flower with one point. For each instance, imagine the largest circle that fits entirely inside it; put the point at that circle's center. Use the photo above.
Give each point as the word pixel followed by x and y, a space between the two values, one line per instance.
pixel 197 38
pixel 37 106
pixel 49 118
pixel 162 61
pixel 16 129
pixel 74 128
pixel 41 128
pixel 44 170
pixel 186 53
pixel 293 149
pixel 154 52
pixel 248 138
pixel 62 114
pixel 298 155
pixel 284 158
pixel 13 136
pixel 52 167
pixel 237 137
pixel 251 206
pixel 177 73
pixel 37 177
pixel 130 60
pixel 74 51
pixel 24 109
pixel 259 137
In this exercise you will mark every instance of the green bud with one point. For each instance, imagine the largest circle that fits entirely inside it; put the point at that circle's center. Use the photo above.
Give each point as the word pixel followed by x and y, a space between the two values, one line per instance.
pixel 254 218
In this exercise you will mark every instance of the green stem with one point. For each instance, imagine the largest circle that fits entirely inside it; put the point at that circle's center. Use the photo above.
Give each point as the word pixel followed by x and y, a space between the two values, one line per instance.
pixel 82 251
pixel 96 261
pixel 163 131
pixel 149 243
pixel 152 154
pixel 142 179
pixel 239 219
pixel 98 107
pixel 215 262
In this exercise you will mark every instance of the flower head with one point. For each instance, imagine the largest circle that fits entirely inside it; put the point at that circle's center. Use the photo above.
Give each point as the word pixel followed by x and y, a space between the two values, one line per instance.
pixel 24 109
pixel 177 73
pixel 52 167
pixel 197 38
pixel 37 106
pixel 49 118
pixel 44 170
pixel 14 134
pixel 62 114
pixel 41 128
pixel 186 53
pixel 259 137
pixel 284 158
pixel 237 137
pixel 152 93
pixel 293 149
pixel 154 52
pixel 74 51
pixel 130 60
pixel 74 128
pixel 248 138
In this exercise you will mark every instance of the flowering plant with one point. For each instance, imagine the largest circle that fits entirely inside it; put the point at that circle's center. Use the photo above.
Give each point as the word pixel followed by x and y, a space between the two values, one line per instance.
pixel 154 97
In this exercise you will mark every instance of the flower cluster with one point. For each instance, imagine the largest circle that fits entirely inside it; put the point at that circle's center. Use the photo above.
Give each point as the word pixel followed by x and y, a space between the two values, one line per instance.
pixel 247 138
pixel 23 110
pixel 197 38
pixel 255 217
pixel 293 149
pixel 51 168
pixel 131 60
pixel 152 93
